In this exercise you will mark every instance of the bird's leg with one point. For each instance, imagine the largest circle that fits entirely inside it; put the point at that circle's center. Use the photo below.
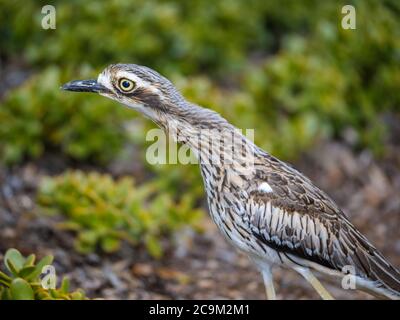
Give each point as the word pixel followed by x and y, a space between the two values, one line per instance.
pixel 316 284
pixel 269 283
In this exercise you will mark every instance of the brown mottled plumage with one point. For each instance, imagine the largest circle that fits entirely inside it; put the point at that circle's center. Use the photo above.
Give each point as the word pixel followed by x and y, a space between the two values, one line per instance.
pixel 264 207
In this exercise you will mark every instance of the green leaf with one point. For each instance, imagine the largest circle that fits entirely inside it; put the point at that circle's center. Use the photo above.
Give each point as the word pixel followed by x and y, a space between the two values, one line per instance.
pixel 5 284
pixel 53 293
pixel 21 290
pixel 30 260
pixel 64 285
pixel 26 271
pixel 47 260
pixel 77 295
pixel 89 237
pixel 16 259
pixel 12 268
pixel 5 294
pixel 41 294
pixel 153 246
pixel 110 244
pixel 4 277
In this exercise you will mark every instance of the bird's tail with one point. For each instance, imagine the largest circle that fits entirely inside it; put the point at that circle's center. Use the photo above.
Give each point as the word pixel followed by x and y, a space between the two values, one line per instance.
pixel 384 279
pixel 374 273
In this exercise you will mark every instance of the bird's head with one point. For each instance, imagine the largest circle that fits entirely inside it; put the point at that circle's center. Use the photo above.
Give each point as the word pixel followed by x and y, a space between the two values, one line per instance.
pixel 137 87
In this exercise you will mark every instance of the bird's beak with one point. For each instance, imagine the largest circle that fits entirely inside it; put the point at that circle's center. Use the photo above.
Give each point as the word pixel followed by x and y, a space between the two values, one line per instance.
pixel 85 86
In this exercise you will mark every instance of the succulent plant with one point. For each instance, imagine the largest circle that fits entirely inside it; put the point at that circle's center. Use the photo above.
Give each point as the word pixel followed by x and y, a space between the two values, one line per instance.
pixel 103 211
pixel 23 280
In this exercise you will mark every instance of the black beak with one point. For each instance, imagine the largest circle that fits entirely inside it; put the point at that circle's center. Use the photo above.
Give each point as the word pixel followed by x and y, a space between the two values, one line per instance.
pixel 85 86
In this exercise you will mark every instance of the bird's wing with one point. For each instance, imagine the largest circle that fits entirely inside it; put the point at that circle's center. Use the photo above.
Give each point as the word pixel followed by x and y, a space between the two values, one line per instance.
pixel 289 213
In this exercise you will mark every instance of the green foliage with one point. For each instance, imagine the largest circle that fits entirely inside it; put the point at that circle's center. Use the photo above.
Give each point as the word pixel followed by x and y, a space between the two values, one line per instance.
pixel 37 116
pixel 103 211
pixel 310 78
pixel 168 36
pixel 332 79
pixel 23 282
pixel 164 35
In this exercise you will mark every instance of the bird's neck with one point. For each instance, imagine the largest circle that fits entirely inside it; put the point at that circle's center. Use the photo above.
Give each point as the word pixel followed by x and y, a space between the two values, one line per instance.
pixel 215 142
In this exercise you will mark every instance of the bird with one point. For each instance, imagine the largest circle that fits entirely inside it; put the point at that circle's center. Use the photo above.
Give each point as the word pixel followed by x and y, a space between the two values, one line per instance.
pixel 263 206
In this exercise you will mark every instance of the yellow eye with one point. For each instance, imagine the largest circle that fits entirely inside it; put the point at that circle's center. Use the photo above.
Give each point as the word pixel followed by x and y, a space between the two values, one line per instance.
pixel 126 85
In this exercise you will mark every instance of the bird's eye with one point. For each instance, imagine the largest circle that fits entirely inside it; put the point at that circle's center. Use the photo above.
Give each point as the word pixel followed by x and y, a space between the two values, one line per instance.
pixel 126 85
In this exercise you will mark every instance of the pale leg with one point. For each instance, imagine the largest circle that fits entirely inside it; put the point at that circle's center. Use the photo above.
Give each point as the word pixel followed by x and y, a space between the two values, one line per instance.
pixel 269 284
pixel 307 274
pixel 266 270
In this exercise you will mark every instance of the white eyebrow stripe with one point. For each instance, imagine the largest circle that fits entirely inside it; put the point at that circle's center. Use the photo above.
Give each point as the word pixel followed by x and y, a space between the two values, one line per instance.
pixel 265 187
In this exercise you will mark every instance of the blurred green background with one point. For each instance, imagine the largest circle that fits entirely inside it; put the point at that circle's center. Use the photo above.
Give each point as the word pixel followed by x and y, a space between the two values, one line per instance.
pixel 285 68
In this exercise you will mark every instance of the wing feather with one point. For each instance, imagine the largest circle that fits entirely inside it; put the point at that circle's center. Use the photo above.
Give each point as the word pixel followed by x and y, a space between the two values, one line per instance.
pixel 300 220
